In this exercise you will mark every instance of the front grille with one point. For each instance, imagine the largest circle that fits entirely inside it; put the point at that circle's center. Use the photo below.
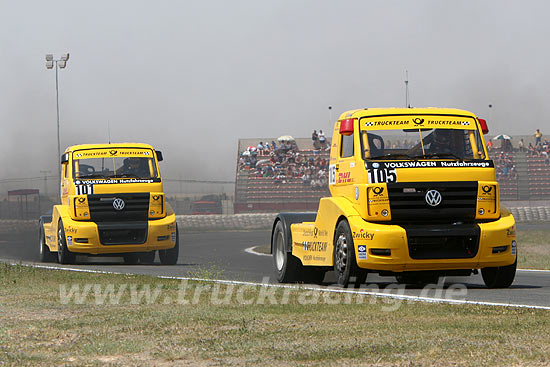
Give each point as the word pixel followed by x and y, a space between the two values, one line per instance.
pixel 126 233
pixel 136 207
pixel 408 201
pixel 443 241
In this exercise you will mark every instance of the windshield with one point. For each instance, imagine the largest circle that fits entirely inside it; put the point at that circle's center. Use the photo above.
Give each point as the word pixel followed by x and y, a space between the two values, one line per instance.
pixel 422 143
pixel 117 165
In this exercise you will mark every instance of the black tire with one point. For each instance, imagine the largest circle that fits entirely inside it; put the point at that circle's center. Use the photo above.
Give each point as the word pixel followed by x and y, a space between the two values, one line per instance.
pixel 345 265
pixel 64 255
pixel 170 256
pixel 45 254
pixel 147 257
pixel 287 266
pixel 500 276
pixel 131 258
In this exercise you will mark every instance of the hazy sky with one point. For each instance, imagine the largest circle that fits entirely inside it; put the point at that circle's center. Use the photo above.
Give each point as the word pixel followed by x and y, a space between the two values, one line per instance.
pixel 191 77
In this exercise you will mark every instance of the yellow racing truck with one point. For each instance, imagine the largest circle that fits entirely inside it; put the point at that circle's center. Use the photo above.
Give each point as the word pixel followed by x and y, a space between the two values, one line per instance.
pixel 113 204
pixel 414 195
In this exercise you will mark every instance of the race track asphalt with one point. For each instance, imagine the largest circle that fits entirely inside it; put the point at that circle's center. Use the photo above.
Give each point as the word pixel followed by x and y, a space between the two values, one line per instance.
pixel 222 254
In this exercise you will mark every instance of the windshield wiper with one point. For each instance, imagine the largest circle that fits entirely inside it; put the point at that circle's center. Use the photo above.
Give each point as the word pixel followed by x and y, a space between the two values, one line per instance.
pixel 392 155
pixel 438 155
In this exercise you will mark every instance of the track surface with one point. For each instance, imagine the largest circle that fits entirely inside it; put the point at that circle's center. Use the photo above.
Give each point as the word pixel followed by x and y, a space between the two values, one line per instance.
pixel 222 254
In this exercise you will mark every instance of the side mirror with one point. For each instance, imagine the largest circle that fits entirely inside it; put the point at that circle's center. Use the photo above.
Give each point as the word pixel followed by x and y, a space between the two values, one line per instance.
pixel 159 155
pixel 65 158
pixel 484 127
pixel 346 127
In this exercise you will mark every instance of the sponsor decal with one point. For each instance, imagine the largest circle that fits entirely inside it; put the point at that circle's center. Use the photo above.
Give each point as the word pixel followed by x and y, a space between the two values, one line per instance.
pixel 171 227
pixel 69 240
pixel 111 153
pixel 511 232
pixel 487 189
pixel 70 229
pixel 418 121
pixel 356 193
pixel 317 246
pixel 474 163
pixel 362 252
pixel 344 177
pixel 156 197
pixel 173 237
pixel 378 190
pixel 514 245
pixel 81 200
pixel 362 235
pixel 315 232
pixel 314 258
pixel 112 181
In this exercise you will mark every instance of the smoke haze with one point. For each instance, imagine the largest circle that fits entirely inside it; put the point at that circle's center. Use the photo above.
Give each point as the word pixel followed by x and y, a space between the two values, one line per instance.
pixel 192 77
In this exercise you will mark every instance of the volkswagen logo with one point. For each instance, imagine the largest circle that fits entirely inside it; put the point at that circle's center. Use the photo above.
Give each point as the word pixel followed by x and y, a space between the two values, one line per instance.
pixel 118 204
pixel 433 198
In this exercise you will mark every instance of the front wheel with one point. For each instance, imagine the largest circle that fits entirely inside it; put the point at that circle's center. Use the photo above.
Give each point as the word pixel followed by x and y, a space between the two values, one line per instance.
pixel 170 256
pixel 500 276
pixel 345 265
pixel 45 254
pixel 64 255
pixel 287 266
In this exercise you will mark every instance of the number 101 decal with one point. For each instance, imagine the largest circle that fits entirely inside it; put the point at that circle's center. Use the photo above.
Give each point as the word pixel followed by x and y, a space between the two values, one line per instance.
pixel 380 175
pixel 84 189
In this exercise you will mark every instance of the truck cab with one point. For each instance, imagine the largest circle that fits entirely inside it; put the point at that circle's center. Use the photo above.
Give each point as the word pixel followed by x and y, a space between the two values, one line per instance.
pixel 413 195
pixel 111 203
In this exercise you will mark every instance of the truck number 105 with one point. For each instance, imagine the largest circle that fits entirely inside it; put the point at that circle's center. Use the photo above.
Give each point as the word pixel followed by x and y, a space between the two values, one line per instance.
pixel 379 175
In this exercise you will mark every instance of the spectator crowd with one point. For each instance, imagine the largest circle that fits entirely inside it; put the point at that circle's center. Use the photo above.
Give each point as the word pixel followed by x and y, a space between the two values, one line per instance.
pixel 285 161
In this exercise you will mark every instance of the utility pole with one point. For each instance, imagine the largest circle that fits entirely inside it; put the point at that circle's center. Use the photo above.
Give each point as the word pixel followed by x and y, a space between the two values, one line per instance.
pixel 45 181
pixel 407 103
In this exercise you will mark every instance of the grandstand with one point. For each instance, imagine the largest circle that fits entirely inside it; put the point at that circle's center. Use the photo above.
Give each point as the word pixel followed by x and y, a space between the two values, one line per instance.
pixel 521 176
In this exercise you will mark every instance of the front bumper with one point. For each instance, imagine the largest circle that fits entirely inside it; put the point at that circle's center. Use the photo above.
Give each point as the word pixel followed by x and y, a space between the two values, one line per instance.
pixel 84 236
pixel 395 248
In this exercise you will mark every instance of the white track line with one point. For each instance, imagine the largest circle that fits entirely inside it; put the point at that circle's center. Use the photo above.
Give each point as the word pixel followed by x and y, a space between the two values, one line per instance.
pixel 251 250
pixel 301 287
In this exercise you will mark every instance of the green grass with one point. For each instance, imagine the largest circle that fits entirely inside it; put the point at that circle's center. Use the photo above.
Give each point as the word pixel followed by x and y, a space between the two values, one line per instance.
pixel 36 328
pixel 534 249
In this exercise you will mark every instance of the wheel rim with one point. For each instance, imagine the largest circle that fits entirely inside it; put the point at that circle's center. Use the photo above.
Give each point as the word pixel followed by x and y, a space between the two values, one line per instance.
pixel 341 255
pixel 59 243
pixel 279 251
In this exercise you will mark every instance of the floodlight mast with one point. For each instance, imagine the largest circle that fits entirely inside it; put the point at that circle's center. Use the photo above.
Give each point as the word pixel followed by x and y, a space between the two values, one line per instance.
pixel 62 63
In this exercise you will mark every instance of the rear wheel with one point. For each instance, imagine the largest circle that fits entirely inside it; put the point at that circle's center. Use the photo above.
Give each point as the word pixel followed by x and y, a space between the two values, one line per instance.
pixel 345 265
pixel 170 256
pixel 500 276
pixel 45 254
pixel 287 266
pixel 64 255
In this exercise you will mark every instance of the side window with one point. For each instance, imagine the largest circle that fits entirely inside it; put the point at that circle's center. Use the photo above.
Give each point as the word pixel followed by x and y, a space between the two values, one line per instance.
pixel 346 146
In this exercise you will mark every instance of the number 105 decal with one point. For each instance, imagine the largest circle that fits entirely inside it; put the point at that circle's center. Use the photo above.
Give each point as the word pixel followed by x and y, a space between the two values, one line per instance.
pixel 379 175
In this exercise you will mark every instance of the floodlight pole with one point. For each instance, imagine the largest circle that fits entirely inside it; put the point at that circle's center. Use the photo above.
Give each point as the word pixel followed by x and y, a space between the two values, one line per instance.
pixel 58 140
pixel 50 61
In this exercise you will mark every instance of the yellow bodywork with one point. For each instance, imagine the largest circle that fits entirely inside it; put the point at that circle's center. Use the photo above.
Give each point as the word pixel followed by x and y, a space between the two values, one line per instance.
pixel 74 213
pixel 365 205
